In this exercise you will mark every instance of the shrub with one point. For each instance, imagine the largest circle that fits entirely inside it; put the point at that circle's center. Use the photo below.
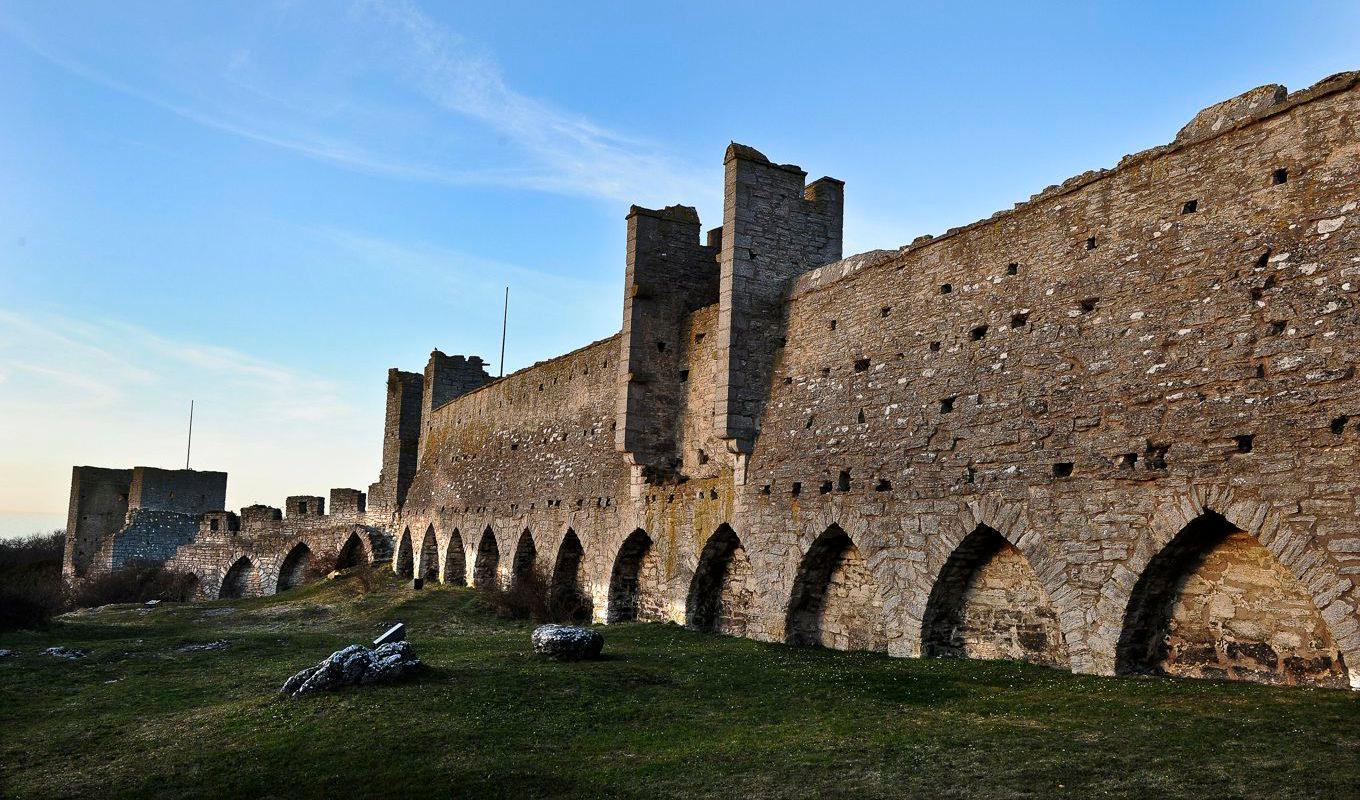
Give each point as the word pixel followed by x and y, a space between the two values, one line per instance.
pixel 135 582
pixel 532 597
pixel 31 588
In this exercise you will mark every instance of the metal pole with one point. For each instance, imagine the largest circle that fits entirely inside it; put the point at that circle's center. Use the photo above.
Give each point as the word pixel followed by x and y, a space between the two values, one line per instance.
pixel 189 447
pixel 505 318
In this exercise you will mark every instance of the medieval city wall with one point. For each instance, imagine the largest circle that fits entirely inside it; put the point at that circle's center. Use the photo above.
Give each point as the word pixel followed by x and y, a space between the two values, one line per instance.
pixel 997 440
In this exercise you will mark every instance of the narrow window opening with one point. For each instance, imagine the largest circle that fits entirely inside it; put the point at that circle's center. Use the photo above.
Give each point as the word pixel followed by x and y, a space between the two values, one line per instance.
pixel 212 524
pixel 978 333
pixel 684 375
pixel 947 405
pixel 883 485
pixel 703 457
pixel 698 337
pixel 660 347
pixel 946 288
pixel 833 324
pixel 1154 455
pixel 1339 425
pixel 1244 442
pixel 1128 461
pixel 765 489
pixel 1062 469
pixel 1190 207
pixel 843 481
pixel 825 488
pixel 808 424
pixel 1279 176
pixel 860 417
pixel 1012 269
pixel 1091 243
pixel 861 364
pixel 796 489
pixel 1260 370
pixel 1019 320
pixel 1263 259
pixel 971 475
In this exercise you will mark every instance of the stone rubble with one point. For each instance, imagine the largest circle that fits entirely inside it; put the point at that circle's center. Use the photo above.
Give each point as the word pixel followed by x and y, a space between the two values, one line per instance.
pixel 567 642
pixel 66 652
pixel 355 665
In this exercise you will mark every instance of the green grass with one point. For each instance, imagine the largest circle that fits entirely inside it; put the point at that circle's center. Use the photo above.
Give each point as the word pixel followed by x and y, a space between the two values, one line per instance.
pixel 669 713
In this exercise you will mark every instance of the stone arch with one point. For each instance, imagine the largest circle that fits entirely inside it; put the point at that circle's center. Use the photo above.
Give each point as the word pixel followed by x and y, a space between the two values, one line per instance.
pixel 1215 603
pixel 988 602
pixel 242 579
pixel 635 586
pixel 525 559
pixel 486 567
pixel 193 586
pixel 296 566
pixel 352 553
pixel 404 565
pixel 455 561
pixel 721 595
pixel 429 557
pixel 566 591
pixel 836 601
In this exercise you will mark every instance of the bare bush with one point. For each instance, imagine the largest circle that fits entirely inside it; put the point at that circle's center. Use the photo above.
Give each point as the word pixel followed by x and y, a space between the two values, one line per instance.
pixel 31 588
pixel 531 597
pixel 135 582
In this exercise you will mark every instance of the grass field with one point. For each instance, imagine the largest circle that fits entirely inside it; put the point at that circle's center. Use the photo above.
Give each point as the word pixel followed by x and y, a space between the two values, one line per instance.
pixel 669 713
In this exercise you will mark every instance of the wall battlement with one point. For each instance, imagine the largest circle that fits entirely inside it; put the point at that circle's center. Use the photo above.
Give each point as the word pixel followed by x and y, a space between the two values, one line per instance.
pixel 1109 430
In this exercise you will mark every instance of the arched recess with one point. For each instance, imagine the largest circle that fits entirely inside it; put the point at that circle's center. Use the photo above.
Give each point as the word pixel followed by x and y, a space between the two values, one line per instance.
pixel 352 554
pixel 1214 603
pixel 565 592
pixel 488 563
pixel 522 565
pixel 721 596
pixel 836 601
pixel 242 580
pixel 429 557
pixel 295 567
pixel 987 602
pixel 635 591
pixel 405 563
pixel 455 561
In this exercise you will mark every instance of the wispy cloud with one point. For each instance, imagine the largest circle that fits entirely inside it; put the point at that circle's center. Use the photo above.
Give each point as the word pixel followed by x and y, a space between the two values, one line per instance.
pixel 456 87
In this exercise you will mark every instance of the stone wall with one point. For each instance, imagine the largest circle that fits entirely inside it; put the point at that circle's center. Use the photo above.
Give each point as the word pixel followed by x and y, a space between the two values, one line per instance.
pixel 1082 376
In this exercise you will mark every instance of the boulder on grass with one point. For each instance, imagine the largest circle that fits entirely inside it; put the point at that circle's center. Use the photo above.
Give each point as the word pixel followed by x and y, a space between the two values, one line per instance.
pixel 66 652
pixel 567 642
pixel 356 665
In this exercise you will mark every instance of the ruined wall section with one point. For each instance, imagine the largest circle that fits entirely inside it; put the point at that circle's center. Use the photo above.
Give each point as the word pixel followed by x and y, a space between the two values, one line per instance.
pixel 699 446
pixel 542 437
pixel 446 379
pixel 181 491
pixel 670 273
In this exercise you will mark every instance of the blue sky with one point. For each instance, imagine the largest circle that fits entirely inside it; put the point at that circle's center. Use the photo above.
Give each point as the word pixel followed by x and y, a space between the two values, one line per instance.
pixel 264 206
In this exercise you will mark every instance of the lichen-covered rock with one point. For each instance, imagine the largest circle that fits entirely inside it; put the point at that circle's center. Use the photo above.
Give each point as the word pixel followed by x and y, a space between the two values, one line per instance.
pixel 354 666
pixel 567 642
pixel 66 652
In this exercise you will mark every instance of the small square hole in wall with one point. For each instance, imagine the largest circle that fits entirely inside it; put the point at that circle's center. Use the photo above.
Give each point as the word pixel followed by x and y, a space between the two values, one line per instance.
pixel 825 488
pixel 1275 328
pixel 698 337
pixel 765 489
pixel 1012 269
pixel 860 417
pixel 1019 320
pixel 947 405
pixel 1190 207
pixel 1244 442
pixel 861 364
pixel 796 489
pixel 1279 176
pixel 946 288
pixel 843 481
pixel 883 485
pixel 787 380
pixel 1263 259
pixel 978 333
pixel 684 375
pixel 660 347
pixel 833 324
pixel 885 311
pixel 703 457
pixel 1260 371
pixel 1062 469
pixel 1091 243
pixel 1089 304
pixel 970 476
pixel 1127 461
pixel 1338 425
pixel 1154 455
pixel 826 371
pixel 934 347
